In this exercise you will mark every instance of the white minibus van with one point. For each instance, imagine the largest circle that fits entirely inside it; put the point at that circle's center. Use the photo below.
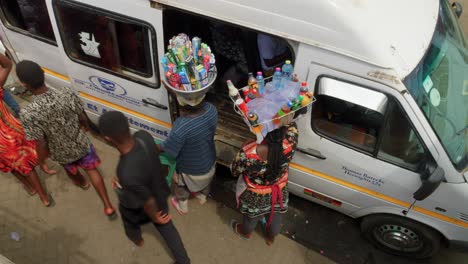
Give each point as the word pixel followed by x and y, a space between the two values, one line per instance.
pixel 385 142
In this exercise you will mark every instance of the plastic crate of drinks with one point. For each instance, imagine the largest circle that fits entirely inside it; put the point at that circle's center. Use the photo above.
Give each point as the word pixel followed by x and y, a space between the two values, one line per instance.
pixel 272 104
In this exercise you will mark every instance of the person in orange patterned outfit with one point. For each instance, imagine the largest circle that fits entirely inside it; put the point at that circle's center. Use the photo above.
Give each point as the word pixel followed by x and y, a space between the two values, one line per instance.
pixel 261 190
pixel 18 155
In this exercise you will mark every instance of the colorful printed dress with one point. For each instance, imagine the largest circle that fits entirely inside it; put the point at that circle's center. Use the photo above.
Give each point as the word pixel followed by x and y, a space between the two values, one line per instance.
pixel 255 195
pixel 16 153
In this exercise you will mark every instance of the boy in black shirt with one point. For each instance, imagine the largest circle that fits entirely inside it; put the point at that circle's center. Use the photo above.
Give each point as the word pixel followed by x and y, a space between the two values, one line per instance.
pixel 141 185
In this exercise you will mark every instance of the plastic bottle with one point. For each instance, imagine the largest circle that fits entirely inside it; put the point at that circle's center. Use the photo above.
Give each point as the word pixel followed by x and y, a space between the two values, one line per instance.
pixel 305 100
pixel 233 92
pixel 295 104
pixel 254 91
pixel 252 82
pixel 287 70
pixel 249 97
pixel 285 109
pixel 253 119
pixel 277 76
pixel 260 83
pixel 304 89
pixel 242 105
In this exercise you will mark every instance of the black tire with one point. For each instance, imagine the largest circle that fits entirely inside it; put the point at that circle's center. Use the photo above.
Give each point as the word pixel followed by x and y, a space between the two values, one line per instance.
pixel 401 236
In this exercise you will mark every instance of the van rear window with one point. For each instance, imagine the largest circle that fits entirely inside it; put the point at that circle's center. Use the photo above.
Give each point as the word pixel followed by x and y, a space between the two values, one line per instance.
pixel 28 17
pixel 103 40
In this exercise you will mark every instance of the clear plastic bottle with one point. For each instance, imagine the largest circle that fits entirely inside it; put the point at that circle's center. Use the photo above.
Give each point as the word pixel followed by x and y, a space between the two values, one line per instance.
pixel 277 76
pixel 233 91
pixel 287 70
pixel 260 82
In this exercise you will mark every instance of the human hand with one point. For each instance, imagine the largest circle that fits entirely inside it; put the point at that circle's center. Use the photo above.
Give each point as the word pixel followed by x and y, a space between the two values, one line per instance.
pixel 162 218
pixel 115 183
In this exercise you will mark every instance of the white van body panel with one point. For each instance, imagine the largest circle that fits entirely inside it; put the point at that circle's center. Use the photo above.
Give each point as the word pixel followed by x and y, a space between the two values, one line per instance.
pixel 341 25
pixel 127 95
pixel 332 37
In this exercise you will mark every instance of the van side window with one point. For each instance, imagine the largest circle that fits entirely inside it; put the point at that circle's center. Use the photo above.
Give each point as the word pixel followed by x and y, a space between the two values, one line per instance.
pixel 368 120
pixel 29 17
pixel 341 114
pixel 400 144
pixel 95 38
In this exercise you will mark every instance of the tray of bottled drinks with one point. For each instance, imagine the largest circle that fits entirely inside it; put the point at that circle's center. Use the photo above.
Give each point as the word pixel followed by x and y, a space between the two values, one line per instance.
pixel 269 103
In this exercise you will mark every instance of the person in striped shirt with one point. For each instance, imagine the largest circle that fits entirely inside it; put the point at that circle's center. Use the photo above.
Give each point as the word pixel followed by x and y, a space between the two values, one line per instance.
pixel 191 142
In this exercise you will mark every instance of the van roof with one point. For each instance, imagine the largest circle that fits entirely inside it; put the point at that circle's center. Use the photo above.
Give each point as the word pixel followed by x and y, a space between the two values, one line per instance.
pixel 388 33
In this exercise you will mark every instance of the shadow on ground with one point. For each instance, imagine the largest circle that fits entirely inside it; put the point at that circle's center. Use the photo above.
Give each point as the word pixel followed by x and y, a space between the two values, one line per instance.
pixel 321 229
pixel 38 241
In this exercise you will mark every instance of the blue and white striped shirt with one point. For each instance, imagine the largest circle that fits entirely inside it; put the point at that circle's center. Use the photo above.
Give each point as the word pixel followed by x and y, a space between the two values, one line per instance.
pixel 191 142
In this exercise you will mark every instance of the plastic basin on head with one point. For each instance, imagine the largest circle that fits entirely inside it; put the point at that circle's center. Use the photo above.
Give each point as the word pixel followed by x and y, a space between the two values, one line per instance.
pixel 193 95
pixel 168 161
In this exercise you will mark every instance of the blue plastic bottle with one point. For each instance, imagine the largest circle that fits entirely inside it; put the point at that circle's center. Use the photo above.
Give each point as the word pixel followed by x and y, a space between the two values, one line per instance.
pixel 287 70
pixel 260 83
pixel 277 79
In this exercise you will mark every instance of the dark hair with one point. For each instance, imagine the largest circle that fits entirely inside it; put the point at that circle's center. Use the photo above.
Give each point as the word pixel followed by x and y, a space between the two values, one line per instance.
pixel 274 140
pixel 192 109
pixel 30 73
pixel 114 124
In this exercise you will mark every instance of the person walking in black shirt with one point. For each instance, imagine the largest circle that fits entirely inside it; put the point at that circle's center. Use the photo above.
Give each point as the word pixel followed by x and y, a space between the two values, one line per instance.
pixel 140 183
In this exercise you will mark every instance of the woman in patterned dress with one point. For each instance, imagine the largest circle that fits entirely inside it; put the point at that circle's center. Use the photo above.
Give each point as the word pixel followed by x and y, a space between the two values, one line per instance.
pixel 261 191
pixel 17 155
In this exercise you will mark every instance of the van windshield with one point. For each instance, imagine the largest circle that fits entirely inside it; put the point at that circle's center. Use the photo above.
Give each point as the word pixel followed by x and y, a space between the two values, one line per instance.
pixel 439 84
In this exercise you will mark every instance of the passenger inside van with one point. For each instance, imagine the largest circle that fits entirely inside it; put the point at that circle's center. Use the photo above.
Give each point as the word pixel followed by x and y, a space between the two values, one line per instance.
pixel 238 50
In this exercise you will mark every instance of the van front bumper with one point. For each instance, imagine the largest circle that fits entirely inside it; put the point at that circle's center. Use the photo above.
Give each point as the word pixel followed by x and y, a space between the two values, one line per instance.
pixel 459 245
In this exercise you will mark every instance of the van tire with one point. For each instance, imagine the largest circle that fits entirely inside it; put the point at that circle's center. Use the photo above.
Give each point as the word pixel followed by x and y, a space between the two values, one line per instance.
pixel 416 240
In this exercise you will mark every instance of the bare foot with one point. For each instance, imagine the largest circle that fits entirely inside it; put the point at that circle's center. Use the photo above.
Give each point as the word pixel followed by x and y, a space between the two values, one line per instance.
pixel 29 190
pixel 270 240
pixel 139 243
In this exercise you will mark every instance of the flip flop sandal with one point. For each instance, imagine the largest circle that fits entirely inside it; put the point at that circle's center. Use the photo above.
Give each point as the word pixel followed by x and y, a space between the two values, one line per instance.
pixel 175 204
pixel 268 240
pixel 233 224
pixel 83 186
pixel 111 216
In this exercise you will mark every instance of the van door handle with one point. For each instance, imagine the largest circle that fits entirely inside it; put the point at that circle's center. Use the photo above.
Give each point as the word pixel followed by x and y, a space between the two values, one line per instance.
pixel 312 152
pixel 154 103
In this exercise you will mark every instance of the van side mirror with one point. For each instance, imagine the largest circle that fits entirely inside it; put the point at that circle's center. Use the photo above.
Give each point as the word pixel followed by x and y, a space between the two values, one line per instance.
pixel 431 177
pixel 457 8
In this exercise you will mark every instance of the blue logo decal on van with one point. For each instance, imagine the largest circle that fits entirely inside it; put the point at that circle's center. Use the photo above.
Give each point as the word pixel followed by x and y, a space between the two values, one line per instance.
pixel 108 88
pixel 108 85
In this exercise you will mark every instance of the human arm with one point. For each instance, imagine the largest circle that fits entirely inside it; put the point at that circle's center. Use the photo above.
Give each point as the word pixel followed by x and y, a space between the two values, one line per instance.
pixel 146 199
pixel 172 145
pixel 83 119
pixel 151 208
pixel 33 131
pixel 79 110
pixel 5 69
pixel 42 151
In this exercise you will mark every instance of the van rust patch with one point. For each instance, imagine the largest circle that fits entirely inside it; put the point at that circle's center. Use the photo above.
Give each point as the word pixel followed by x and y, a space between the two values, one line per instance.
pixel 384 76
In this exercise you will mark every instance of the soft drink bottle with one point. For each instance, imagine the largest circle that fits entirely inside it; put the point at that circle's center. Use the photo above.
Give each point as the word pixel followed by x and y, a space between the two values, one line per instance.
pixel 253 119
pixel 277 79
pixel 249 97
pixel 242 105
pixel 287 70
pixel 233 92
pixel 304 89
pixel 252 82
pixel 260 82
pixel 285 109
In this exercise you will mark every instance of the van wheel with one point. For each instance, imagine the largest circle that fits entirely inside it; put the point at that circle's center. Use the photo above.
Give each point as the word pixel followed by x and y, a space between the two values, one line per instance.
pixel 401 236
